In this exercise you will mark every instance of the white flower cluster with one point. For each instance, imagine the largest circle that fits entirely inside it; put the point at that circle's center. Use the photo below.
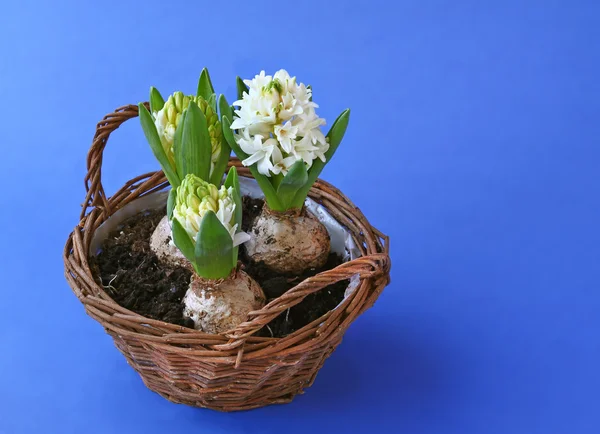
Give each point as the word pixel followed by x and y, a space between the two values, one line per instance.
pixel 195 197
pixel 277 124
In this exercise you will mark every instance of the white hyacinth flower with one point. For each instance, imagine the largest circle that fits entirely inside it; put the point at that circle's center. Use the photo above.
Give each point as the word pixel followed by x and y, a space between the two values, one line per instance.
pixel 265 153
pixel 286 134
pixel 277 124
pixel 196 197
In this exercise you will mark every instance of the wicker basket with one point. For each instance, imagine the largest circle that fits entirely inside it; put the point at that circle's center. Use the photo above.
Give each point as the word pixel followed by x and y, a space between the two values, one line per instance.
pixel 235 370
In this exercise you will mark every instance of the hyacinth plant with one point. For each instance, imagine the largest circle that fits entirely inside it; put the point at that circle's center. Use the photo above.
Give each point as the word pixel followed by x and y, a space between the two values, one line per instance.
pixel 276 132
pixel 203 221
pixel 186 138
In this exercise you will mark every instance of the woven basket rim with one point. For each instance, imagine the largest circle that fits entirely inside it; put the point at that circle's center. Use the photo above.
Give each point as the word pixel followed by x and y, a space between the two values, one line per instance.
pixel 240 343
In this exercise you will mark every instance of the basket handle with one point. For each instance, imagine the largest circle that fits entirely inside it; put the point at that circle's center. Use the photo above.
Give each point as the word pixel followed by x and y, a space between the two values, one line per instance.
pixel 366 267
pixel 95 196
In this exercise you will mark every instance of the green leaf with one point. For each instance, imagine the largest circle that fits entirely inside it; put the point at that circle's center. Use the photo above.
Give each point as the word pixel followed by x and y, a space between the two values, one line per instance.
pixel 335 136
pixel 154 140
pixel 214 249
pixel 171 202
pixel 212 102
pixel 221 163
pixel 156 100
pixel 276 180
pixel 194 150
pixel 293 181
pixel 228 134
pixel 224 107
pixel 241 87
pixel 233 181
pixel 183 241
pixel 263 181
pixel 205 87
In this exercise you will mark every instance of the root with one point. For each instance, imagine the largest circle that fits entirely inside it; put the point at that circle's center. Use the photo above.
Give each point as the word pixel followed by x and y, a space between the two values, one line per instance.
pixel 111 281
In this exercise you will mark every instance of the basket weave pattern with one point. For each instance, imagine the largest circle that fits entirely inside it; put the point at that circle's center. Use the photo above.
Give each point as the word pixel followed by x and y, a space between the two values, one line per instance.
pixel 234 370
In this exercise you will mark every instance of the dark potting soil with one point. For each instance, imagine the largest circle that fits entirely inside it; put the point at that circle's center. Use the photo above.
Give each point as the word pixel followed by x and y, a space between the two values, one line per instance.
pixel 136 280
pixel 132 275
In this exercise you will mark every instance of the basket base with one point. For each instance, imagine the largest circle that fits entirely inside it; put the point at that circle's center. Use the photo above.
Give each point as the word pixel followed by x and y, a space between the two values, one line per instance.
pixel 217 386
pixel 218 404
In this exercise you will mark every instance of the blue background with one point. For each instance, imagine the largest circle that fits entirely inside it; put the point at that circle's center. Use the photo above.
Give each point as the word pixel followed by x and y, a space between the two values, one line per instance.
pixel 473 143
